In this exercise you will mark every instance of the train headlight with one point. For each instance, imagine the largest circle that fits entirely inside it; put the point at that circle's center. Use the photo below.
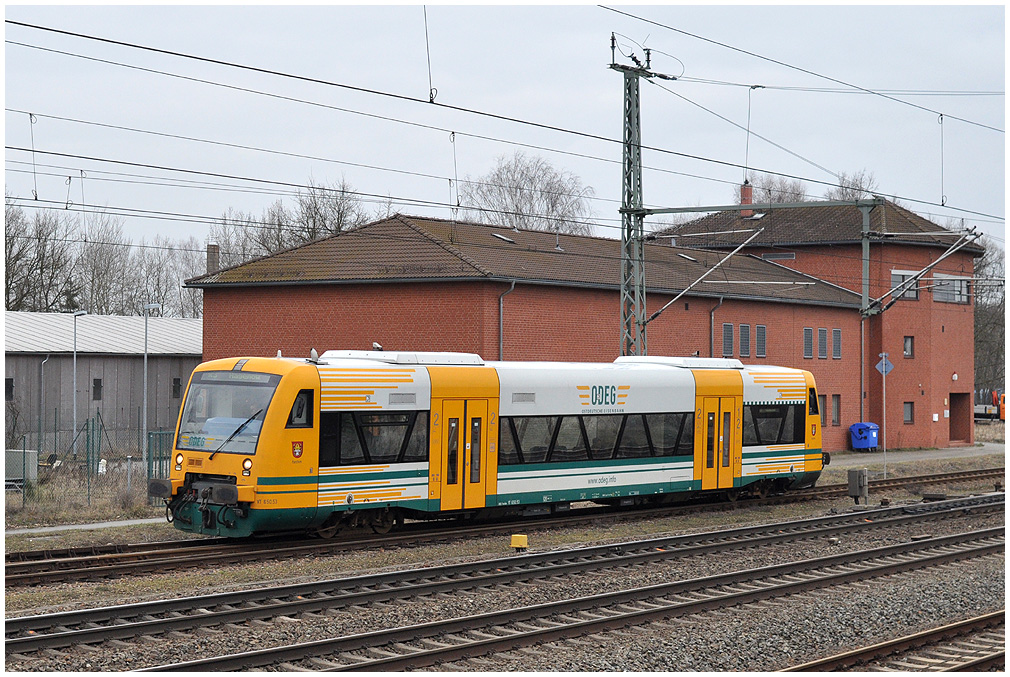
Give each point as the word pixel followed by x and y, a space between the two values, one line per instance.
pixel 178 461
pixel 246 466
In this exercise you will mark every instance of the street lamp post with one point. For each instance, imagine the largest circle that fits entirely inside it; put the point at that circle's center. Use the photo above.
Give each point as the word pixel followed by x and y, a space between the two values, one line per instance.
pixel 143 440
pixel 73 438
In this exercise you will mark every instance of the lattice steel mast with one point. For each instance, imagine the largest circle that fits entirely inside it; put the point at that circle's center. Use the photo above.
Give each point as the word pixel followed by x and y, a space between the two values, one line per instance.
pixel 633 339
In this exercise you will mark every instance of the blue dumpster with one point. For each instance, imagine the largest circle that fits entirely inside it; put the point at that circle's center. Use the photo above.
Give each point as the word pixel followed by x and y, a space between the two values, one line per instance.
pixel 864 435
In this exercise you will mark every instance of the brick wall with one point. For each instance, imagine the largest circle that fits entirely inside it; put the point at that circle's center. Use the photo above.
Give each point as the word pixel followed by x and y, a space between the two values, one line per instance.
pixel 541 323
pixel 942 333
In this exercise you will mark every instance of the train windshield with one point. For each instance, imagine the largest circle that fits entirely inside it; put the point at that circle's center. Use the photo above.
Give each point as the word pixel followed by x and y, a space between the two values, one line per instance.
pixel 224 411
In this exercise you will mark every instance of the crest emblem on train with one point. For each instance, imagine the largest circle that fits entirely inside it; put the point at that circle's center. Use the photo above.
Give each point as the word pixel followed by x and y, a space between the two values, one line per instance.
pixel 296 449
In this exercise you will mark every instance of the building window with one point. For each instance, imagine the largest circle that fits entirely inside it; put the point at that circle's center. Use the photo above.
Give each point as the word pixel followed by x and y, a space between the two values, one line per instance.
pixel 909 412
pixel 759 338
pixel 176 388
pixel 727 340
pixel 779 256
pixel 808 343
pixel 898 277
pixel 9 388
pixel 951 290
pixel 822 344
pixel 836 410
pixel 822 403
pixel 909 350
pixel 96 389
pixel 744 340
pixel 836 344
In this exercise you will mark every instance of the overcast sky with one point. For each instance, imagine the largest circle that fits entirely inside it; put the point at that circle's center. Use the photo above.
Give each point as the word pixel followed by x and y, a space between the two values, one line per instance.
pixel 547 65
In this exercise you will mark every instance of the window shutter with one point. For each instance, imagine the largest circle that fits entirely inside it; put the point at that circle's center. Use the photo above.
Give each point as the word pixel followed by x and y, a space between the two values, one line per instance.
pixel 808 342
pixel 727 340
pixel 836 348
pixel 759 337
pixel 822 343
pixel 744 340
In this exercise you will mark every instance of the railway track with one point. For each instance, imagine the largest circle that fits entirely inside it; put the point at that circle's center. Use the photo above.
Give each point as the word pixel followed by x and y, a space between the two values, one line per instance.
pixel 976 644
pixel 42 567
pixel 428 644
pixel 54 631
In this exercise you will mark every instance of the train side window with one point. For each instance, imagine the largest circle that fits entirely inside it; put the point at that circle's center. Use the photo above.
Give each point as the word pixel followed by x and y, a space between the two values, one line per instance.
pixel 685 442
pixel 301 410
pixel 350 449
pixel 812 401
pixel 602 433
pixel 569 445
pixel 634 442
pixel 475 451
pixel 750 431
pixel 668 433
pixel 329 438
pixel 727 431
pixel 534 434
pixel 452 450
pixel 508 452
pixel 710 445
pixel 384 435
pixel 416 449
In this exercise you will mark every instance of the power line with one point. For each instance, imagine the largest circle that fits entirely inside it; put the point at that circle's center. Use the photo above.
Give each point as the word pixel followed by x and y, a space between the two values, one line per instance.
pixel 802 70
pixel 496 116
pixel 361 232
pixel 258 149
pixel 837 90
pixel 738 126
pixel 381 198
pixel 376 116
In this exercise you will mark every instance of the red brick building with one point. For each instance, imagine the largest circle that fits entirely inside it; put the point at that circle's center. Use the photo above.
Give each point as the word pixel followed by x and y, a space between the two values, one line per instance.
pixel 412 283
pixel 928 333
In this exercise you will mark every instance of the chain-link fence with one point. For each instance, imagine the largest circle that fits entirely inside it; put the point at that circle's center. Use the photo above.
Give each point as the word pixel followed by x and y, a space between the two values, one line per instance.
pixel 97 473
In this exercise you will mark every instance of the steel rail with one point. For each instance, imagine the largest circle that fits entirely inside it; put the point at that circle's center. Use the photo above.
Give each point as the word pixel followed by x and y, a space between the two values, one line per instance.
pixel 863 655
pixel 30 633
pixel 473 636
pixel 33 572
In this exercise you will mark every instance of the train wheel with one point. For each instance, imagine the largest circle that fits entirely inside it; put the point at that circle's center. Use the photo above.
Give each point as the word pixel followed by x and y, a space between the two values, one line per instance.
pixel 732 495
pixel 383 522
pixel 763 489
pixel 330 531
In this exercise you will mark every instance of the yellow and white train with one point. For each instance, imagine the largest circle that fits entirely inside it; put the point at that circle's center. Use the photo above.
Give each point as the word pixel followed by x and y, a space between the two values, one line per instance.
pixel 364 438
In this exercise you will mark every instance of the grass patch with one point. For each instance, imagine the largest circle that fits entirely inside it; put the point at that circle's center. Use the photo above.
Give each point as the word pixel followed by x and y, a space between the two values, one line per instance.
pixel 67 495
pixel 993 431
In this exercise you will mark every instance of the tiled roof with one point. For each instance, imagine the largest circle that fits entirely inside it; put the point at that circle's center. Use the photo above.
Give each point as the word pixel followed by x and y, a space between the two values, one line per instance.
pixel 106 334
pixel 405 248
pixel 815 225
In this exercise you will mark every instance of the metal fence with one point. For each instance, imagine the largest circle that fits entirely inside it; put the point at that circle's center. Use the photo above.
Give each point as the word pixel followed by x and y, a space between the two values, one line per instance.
pixel 96 468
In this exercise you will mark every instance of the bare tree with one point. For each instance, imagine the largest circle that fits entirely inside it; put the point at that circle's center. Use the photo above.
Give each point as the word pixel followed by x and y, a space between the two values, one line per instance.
pixel 857 186
pixel 771 188
pixel 103 263
pixel 990 318
pixel 17 256
pixel 323 210
pixel 527 192
pixel 40 261
pixel 233 234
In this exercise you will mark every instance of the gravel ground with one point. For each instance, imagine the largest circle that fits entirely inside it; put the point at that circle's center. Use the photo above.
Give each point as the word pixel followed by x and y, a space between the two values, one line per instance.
pixel 760 637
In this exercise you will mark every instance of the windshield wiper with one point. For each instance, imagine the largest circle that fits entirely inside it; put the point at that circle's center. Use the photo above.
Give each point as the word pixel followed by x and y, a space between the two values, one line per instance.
pixel 237 431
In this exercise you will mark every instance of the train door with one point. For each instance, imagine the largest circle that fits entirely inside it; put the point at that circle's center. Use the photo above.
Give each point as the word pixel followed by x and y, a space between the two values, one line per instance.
pixel 464 453
pixel 717 459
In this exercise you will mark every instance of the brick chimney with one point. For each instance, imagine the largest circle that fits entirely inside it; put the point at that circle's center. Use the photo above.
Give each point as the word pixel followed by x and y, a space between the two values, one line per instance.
pixel 213 258
pixel 746 198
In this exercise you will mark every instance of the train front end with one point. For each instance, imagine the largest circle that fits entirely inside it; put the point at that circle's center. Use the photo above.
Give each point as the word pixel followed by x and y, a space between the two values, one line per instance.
pixel 244 458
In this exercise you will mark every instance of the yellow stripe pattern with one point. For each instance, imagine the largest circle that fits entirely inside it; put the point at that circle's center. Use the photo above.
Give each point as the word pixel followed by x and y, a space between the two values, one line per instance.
pixel 356 388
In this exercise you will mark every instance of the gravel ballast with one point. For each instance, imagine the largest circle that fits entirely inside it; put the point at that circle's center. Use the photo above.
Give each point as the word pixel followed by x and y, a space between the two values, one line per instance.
pixel 766 636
